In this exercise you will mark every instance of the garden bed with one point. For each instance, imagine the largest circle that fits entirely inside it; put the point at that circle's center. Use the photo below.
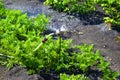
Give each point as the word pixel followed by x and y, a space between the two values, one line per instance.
pixel 81 29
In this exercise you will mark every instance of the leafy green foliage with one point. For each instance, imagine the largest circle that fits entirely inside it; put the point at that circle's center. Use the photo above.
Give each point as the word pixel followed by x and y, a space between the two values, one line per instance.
pixel 73 77
pixel 111 8
pixel 19 35
pixel 107 73
pixel 72 5
pixel 2 9
pixel 87 57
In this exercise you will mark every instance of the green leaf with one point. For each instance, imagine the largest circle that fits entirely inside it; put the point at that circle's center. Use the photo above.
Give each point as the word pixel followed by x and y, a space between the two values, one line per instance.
pixel 111 1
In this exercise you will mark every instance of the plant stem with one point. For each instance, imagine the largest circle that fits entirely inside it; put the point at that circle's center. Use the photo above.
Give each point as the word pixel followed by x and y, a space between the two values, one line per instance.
pixel 42 42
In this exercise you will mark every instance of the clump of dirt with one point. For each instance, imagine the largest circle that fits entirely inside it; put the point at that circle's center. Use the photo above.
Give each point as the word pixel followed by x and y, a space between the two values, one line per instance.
pixel 17 73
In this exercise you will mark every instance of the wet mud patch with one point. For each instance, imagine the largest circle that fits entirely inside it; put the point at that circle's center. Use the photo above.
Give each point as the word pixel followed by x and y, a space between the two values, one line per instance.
pixel 104 41
pixel 93 18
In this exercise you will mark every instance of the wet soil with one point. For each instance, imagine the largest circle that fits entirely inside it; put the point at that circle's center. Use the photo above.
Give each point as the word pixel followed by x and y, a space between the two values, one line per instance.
pixel 89 29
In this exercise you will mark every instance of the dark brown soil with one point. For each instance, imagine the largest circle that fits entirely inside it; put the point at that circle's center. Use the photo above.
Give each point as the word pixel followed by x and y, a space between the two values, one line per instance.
pixel 81 28
pixel 105 41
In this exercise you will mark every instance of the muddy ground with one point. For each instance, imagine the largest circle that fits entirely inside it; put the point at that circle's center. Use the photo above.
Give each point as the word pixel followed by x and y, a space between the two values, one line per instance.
pixel 82 29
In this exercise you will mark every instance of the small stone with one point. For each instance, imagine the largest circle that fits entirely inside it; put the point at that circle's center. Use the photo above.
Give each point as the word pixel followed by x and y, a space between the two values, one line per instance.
pixel 104 46
pixel 81 33
pixel 107 57
pixel 110 59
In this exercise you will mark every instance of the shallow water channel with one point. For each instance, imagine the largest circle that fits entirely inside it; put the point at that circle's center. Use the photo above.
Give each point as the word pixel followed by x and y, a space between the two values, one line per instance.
pixel 58 21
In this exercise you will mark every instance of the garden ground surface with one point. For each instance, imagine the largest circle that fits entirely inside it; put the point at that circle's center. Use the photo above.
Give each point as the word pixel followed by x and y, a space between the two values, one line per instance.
pixel 81 28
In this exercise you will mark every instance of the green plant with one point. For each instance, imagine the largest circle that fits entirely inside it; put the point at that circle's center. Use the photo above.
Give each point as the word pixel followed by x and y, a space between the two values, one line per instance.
pixel 111 8
pixel 107 73
pixel 89 58
pixel 2 9
pixel 117 38
pixel 73 77
pixel 71 6
pixel 19 35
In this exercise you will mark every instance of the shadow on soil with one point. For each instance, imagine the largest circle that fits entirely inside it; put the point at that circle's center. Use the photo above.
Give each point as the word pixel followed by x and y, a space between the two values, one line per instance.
pixel 116 28
pixel 93 18
pixel 92 74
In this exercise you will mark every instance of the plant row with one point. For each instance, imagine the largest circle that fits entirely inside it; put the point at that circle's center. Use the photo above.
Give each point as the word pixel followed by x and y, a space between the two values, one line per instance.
pixel 111 8
pixel 22 44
